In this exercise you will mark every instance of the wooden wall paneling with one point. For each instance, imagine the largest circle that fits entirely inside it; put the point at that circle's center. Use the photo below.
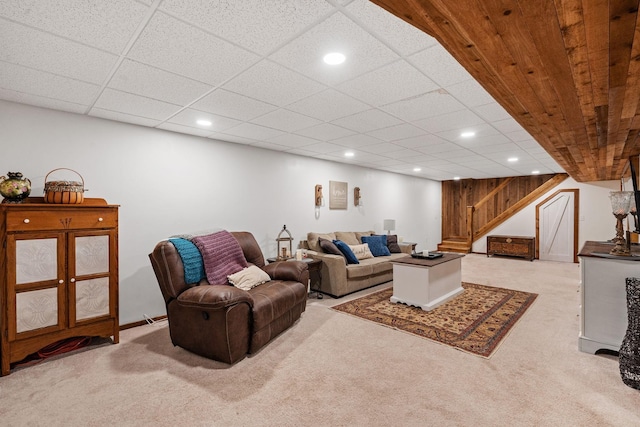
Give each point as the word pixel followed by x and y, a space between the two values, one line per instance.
pixel 567 70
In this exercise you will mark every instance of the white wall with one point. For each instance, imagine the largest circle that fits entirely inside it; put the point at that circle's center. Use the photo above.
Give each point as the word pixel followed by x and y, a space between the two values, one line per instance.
pixel 595 219
pixel 168 183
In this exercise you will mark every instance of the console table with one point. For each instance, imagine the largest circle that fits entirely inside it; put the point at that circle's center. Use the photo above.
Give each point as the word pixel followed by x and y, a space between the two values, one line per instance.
pixel 603 297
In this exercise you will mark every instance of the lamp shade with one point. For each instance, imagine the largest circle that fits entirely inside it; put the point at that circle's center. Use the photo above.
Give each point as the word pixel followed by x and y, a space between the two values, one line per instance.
pixel 620 201
pixel 389 224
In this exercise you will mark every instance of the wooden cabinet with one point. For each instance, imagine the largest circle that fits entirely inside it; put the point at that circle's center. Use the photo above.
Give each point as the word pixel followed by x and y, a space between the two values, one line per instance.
pixel 519 246
pixel 59 275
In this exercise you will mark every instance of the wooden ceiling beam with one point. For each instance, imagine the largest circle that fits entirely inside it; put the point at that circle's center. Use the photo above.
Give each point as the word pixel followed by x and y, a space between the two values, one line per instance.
pixel 567 70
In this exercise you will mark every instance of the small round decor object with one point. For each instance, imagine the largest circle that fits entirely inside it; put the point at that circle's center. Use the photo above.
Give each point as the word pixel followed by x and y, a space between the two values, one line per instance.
pixel 64 192
pixel 15 188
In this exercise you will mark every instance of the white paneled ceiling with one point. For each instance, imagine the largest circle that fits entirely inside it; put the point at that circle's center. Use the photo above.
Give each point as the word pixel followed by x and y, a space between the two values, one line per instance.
pixel 254 69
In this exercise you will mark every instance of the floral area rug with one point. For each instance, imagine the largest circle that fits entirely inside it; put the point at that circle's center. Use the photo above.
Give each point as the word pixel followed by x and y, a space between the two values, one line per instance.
pixel 476 321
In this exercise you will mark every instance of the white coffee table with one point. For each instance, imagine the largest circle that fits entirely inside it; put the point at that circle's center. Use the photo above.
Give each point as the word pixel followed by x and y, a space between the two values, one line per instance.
pixel 427 283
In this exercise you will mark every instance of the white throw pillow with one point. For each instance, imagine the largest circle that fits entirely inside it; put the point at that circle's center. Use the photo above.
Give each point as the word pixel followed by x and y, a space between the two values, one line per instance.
pixel 248 278
pixel 361 251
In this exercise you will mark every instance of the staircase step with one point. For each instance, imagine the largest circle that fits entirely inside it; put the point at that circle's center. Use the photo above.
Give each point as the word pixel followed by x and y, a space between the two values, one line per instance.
pixel 454 246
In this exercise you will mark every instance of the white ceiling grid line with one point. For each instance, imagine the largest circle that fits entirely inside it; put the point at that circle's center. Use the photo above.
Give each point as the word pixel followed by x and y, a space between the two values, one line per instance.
pixel 254 69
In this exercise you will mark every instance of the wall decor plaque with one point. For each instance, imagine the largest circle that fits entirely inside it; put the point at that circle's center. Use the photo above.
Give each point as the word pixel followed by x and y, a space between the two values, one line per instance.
pixel 337 195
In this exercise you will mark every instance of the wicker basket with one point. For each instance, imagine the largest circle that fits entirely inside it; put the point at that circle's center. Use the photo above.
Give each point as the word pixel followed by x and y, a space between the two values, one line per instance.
pixel 64 192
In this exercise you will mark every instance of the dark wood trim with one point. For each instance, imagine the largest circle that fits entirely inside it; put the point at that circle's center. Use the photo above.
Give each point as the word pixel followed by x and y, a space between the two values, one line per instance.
pixel 141 322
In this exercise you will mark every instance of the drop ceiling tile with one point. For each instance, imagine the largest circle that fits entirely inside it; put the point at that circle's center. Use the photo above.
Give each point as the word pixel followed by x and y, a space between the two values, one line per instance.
pixel 39 50
pixel 135 105
pixel 189 117
pixel 272 83
pixel 219 136
pixel 366 121
pixel 145 80
pixel 229 104
pixel 491 112
pixel 336 34
pixel 483 141
pixel 395 133
pixel 497 150
pixel 357 141
pixel 270 146
pixel 285 120
pixel 440 66
pixel 358 157
pixel 437 149
pixel 470 93
pixel 400 35
pixel 40 101
pixel 388 84
pixel 420 141
pixel 328 105
pixel 184 129
pixel 121 117
pixel 293 141
pixel 175 46
pixel 386 162
pixel 517 136
pixel 481 131
pixel 325 132
pixel 403 154
pixel 39 83
pixel 257 25
pixel 422 106
pixel 434 162
pixel 462 119
pixel 507 125
pixel 453 153
pixel 323 148
pixel 249 130
pixel 105 25
pixel 530 145
pixel 381 148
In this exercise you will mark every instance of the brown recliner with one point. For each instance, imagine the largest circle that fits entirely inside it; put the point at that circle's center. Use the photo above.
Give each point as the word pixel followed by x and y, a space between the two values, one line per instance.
pixel 222 322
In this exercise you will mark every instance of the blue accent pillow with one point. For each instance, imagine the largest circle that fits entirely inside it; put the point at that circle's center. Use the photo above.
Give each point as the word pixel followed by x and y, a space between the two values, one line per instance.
pixel 346 251
pixel 377 244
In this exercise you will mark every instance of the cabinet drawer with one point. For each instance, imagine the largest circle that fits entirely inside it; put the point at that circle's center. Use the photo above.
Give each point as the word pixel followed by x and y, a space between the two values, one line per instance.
pixel 61 219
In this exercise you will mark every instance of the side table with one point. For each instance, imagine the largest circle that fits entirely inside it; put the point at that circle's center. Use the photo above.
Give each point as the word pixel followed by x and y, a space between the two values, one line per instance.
pixel 315 273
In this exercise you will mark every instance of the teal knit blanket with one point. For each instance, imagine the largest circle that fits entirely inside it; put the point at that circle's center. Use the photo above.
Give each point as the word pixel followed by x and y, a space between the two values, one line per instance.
pixel 191 259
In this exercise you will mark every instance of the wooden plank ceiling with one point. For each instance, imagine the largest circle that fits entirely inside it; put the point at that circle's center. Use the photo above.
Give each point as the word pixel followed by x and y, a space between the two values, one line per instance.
pixel 567 70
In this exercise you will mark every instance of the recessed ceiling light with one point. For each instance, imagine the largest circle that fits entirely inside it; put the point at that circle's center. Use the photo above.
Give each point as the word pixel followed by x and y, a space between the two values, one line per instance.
pixel 334 58
pixel 417 169
pixel 467 134
pixel 512 159
pixel 456 178
pixel 203 122
pixel 535 172
pixel 349 154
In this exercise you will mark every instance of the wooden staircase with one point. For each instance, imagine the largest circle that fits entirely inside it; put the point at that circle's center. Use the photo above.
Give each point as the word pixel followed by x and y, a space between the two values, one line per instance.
pixel 489 203
pixel 455 245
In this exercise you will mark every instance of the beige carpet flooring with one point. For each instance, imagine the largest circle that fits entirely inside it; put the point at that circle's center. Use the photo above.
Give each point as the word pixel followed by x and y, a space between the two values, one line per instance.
pixel 332 369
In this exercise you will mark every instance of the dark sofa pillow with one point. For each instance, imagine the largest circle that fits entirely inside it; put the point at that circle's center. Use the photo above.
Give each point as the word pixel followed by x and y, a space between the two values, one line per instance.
pixel 392 244
pixel 328 247
pixel 377 244
pixel 347 252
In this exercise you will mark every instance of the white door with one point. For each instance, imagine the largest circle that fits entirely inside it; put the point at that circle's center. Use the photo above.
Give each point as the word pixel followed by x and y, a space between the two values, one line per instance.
pixel 556 228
